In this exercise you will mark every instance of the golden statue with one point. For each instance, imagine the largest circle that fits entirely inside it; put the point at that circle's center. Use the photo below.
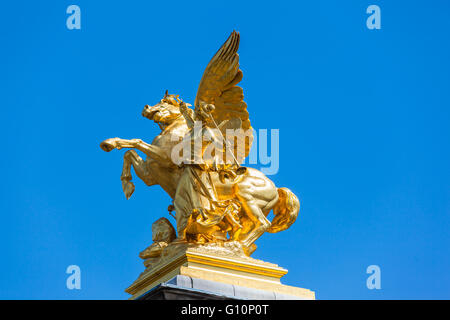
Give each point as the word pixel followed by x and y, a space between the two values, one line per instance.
pixel 215 201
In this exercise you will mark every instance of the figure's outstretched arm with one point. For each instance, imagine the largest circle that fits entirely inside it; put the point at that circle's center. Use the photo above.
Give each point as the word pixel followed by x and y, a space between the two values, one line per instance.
pixel 185 112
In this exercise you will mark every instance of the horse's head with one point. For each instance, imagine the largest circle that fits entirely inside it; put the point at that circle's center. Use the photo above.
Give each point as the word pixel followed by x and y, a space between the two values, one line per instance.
pixel 165 112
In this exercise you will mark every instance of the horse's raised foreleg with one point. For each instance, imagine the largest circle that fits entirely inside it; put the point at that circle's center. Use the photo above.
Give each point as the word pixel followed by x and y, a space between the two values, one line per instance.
pixel 154 152
pixel 131 158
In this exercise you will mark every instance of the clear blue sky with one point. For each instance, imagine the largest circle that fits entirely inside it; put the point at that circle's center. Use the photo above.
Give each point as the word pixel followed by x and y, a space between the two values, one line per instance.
pixel 364 137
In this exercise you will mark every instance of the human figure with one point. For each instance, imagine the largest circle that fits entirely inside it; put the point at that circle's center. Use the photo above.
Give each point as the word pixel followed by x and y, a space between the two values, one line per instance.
pixel 196 193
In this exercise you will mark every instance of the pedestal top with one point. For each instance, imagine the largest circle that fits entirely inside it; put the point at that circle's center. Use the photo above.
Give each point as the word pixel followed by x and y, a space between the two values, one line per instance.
pixel 218 270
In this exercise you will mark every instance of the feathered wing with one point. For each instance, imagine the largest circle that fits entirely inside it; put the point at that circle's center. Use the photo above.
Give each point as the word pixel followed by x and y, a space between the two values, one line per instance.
pixel 219 87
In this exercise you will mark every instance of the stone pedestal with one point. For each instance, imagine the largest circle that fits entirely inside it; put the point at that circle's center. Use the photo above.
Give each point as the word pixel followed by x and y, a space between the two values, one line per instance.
pixel 212 272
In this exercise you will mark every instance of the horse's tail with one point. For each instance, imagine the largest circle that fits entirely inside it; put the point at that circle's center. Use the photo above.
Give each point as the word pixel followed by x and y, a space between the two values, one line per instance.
pixel 285 211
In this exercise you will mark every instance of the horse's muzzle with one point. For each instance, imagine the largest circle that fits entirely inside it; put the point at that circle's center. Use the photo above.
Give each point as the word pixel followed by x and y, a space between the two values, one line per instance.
pixel 148 113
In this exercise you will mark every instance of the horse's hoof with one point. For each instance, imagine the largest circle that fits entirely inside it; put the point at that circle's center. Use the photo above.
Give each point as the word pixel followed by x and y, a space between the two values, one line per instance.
pixel 128 188
pixel 108 144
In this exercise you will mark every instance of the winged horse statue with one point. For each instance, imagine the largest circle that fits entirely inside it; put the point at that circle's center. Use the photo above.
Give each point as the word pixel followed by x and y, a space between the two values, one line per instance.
pixel 213 203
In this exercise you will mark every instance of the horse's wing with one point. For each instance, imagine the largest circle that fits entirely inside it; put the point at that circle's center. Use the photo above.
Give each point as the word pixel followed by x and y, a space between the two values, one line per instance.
pixel 219 87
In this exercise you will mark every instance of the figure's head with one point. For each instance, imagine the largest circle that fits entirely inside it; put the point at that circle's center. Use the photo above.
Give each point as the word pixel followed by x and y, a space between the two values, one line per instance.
pixel 166 111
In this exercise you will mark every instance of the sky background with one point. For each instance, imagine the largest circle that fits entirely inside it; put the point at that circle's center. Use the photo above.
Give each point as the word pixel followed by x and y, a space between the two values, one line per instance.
pixel 364 137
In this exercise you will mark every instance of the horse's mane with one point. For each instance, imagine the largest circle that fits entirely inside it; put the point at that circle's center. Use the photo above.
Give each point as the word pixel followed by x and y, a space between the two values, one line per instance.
pixel 175 100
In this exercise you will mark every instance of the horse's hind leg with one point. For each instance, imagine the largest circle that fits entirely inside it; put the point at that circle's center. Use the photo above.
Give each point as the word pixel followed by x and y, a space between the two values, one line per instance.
pixel 131 158
pixel 257 218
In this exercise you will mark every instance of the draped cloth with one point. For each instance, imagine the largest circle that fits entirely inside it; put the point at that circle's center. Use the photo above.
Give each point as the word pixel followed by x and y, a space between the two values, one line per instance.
pixel 195 195
pixel 194 192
